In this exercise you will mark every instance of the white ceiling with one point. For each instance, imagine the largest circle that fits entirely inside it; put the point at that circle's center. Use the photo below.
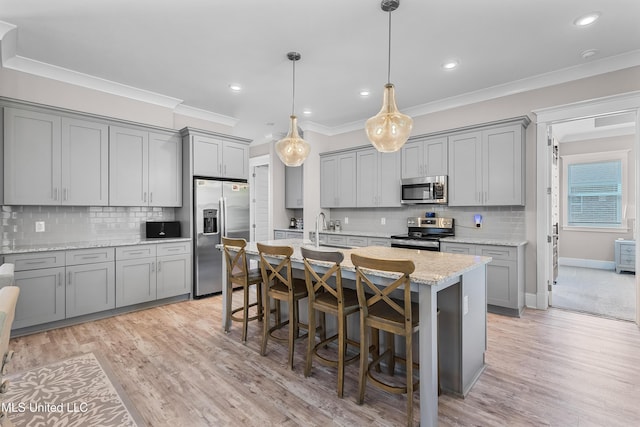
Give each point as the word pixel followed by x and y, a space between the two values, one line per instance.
pixel 184 54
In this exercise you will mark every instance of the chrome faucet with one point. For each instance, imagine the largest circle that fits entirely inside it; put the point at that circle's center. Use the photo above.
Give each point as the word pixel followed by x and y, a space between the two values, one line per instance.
pixel 324 226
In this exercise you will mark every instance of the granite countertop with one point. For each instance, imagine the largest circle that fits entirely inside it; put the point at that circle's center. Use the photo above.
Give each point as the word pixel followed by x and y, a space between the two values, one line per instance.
pixel 432 268
pixel 484 241
pixel 86 245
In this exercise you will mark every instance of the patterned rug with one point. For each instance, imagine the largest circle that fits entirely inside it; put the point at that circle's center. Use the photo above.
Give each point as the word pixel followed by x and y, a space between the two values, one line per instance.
pixel 75 392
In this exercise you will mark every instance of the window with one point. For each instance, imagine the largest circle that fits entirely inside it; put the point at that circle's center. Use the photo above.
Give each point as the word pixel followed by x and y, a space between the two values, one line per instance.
pixel 594 194
pixel 594 187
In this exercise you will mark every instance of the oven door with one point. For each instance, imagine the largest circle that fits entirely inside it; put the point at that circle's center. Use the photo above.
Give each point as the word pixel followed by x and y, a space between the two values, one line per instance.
pixel 423 245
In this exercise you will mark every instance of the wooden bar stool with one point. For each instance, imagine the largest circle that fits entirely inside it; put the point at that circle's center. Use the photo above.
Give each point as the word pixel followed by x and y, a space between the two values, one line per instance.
pixel 280 285
pixel 378 311
pixel 238 273
pixel 324 298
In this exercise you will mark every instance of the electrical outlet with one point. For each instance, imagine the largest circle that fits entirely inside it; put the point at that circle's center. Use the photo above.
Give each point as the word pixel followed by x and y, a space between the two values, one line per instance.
pixel 39 226
pixel 346 220
pixel 383 221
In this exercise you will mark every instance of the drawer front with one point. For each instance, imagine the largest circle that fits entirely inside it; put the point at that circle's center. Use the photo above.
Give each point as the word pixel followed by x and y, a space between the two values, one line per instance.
pixel 357 241
pixel 134 252
pixel 628 260
pixel 507 253
pixel 279 235
pixel 336 240
pixel 378 242
pixel 89 256
pixel 34 261
pixel 294 234
pixel 177 248
pixel 628 249
pixel 457 248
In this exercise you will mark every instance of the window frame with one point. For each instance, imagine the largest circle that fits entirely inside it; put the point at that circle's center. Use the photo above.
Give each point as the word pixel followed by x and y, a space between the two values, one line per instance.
pixel 600 157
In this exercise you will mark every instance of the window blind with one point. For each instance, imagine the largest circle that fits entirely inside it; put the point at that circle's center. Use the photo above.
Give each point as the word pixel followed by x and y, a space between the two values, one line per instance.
pixel 595 194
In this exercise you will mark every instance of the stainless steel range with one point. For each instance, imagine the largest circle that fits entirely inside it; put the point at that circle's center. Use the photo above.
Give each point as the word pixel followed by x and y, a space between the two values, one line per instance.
pixel 424 233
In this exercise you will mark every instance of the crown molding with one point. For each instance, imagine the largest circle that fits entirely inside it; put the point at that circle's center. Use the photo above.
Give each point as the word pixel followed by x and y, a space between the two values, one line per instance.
pixel 199 113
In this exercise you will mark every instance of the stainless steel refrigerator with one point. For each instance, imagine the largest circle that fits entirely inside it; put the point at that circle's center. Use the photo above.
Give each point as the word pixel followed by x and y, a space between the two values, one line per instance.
pixel 221 208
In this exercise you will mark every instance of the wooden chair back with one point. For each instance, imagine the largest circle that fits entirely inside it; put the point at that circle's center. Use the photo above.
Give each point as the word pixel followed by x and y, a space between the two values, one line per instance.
pixel 316 283
pixel 280 268
pixel 370 293
pixel 236 259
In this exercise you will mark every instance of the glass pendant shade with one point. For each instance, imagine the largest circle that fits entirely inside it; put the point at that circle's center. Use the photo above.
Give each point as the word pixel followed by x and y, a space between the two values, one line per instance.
pixel 292 149
pixel 389 129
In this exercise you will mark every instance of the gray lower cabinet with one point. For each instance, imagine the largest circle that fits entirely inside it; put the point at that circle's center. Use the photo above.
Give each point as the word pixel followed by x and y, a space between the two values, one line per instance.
pixel 505 274
pixel 135 274
pixel 40 277
pixel 90 281
pixel 173 273
pixel 148 272
pixel 625 255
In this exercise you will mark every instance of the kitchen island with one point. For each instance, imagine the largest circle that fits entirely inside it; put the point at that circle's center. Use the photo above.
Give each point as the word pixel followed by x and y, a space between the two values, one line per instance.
pixel 453 283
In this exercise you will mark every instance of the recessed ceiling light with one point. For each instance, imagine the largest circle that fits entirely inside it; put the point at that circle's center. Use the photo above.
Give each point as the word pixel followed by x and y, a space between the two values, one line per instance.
pixel 586 54
pixel 306 112
pixel 235 87
pixel 365 93
pixel 587 19
pixel 450 65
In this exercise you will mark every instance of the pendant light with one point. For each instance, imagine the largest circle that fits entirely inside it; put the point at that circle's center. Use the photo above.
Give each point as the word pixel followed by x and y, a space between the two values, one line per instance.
pixel 292 149
pixel 389 129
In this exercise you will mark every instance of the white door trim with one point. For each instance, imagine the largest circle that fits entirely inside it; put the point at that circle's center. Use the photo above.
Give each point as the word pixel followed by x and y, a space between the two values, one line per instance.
pixel 254 162
pixel 545 118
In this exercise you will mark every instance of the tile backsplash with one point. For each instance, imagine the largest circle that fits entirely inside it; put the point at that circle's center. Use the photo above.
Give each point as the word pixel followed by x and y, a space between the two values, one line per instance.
pixel 504 222
pixel 76 223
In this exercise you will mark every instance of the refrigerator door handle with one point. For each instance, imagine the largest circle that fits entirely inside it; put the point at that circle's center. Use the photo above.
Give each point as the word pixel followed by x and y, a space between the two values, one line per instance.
pixel 224 218
pixel 221 217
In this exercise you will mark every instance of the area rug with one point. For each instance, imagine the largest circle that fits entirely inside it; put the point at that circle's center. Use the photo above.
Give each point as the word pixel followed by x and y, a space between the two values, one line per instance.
pixel 74 392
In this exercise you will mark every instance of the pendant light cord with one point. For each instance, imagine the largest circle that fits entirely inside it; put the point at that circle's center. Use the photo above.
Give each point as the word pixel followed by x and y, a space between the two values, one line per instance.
pixel 389 62
pixel 293 96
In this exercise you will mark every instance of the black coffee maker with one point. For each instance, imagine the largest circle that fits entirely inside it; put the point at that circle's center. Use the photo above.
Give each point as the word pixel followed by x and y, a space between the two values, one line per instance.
pixel 293 223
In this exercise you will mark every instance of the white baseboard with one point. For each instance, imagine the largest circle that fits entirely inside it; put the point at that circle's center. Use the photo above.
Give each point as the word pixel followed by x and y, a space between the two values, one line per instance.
pixel 531 300
pixel 587 263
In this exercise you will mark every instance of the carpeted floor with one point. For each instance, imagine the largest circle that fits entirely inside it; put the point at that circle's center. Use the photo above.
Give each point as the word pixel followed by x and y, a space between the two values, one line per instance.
pixel 601 292
pixel 75 392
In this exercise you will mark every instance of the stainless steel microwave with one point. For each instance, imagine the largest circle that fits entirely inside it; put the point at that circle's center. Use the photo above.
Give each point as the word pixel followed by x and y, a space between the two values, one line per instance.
pixel 424 190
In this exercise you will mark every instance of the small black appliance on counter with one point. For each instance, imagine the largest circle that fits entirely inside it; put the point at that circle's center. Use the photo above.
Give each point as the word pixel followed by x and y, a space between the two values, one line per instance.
pixel 162 229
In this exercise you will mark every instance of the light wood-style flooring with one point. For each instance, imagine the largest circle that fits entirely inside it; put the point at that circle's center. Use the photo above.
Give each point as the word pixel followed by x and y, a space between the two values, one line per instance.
pixel 552 367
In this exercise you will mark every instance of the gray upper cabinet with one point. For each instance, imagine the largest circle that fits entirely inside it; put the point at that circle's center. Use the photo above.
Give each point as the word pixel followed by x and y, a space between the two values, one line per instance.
pixel 165 170
pixel 128 167
pixel 32 147
pixel 378 178
pixel 338 180
pixel 145 169
pixel 207 156
pixel 85 163
pixel 426 157
pixel 293 187
pixel 53 160
pixel 214 157
pixel 486 167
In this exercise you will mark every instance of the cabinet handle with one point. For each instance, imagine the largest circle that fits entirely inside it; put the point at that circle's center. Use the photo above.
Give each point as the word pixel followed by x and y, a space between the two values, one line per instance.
pixel 136 253
pixel 144 197
pixel 34 262
pixel 69 278
pixel 55 194
pixel 159 266
pixel 225 170
pixel 59 279
pixel 153 267
pixel 64 194
pixel 485 198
